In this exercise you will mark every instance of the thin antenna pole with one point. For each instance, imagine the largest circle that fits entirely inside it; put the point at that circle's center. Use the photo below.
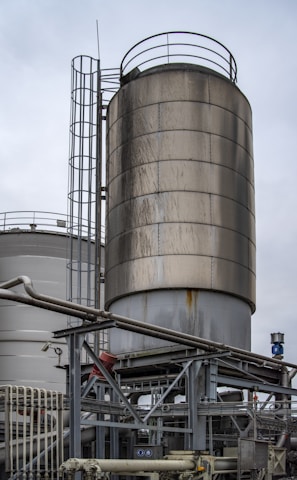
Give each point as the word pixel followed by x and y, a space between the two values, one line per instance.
pixel 98 44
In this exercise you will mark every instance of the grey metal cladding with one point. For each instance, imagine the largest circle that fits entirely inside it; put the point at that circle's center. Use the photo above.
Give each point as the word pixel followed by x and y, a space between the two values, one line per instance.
pixel 180 180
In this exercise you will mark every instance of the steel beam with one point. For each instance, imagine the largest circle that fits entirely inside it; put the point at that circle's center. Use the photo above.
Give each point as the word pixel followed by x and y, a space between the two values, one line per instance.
pixel 74 343
pixel 254 385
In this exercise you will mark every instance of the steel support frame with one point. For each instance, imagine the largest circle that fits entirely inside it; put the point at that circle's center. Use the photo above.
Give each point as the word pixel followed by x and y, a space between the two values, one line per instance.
pixel 202 378
pixel 195 391
pixel 76 341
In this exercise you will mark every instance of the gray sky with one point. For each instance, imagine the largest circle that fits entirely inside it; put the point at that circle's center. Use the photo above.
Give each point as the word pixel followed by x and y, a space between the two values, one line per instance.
pixel 38 39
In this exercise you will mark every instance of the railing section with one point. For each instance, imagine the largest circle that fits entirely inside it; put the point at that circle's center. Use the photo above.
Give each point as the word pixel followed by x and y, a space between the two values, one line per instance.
pixel 33 432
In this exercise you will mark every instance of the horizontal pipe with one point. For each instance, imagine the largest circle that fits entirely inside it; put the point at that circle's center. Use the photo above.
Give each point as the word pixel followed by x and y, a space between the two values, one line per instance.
pixel 21 298
pixel 178 464
pixel 123 465
pixel 224 464
pixel 89 313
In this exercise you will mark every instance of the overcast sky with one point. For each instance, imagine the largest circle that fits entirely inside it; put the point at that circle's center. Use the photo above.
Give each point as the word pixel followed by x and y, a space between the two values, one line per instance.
pixel 38 39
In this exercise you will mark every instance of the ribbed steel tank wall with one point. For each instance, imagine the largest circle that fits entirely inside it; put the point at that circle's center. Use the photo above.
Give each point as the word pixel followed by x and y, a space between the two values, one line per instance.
pixel 180 248
pixel 24 330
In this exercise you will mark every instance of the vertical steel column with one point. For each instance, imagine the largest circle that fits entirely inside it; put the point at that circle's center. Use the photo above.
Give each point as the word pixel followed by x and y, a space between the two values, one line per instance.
pixel 75 342
pixel 211 384
pixel 211 379
pixel 196 440
pixel 8 431
pixel 98 238
pixel 114 432
pixel 100 430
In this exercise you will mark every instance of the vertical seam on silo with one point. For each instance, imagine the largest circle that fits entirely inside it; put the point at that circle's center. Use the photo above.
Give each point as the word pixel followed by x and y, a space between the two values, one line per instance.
pixel 158 172
pixel 210 195
pixel 209 136
pixel 211 223
pixel 159 127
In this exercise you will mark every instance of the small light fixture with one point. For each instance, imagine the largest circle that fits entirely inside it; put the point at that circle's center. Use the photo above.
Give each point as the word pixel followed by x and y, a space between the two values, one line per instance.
pixel 46 346
pixel 58 351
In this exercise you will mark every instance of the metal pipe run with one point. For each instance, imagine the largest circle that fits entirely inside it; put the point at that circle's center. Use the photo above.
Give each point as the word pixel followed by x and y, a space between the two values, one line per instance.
pixel 92 314
pixel 172 463
pixel 225 464
pixel 123 465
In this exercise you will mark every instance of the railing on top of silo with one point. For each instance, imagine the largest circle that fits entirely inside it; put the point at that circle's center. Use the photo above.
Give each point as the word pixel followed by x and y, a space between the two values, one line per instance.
pixel 181 47
pixel 33 220
pixel 30 220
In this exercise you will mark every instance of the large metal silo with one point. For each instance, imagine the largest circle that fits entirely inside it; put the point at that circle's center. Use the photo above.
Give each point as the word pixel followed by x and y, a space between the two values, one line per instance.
pixel 180 249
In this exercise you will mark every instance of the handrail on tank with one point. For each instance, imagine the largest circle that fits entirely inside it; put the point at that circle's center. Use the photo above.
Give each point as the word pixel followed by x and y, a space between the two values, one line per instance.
pixel 33 220
pixel 208 51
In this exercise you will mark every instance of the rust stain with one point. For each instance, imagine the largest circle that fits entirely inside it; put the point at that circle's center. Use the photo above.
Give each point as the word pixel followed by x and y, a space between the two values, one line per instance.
pixel 189 299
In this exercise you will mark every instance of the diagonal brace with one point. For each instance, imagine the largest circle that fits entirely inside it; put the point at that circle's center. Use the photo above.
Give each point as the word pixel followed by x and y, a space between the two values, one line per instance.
pixel 111 381
pixel 167 391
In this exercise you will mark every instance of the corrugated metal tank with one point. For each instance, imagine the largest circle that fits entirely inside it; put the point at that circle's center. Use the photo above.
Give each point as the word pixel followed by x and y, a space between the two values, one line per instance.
pixel 180 248
pixel 24 330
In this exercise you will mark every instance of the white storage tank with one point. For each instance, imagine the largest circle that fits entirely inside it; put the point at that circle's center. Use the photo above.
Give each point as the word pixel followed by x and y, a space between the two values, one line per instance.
pixel 39 252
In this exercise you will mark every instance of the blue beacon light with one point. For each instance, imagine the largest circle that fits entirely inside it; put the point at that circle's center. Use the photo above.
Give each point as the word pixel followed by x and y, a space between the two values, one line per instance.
pixel 277 349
